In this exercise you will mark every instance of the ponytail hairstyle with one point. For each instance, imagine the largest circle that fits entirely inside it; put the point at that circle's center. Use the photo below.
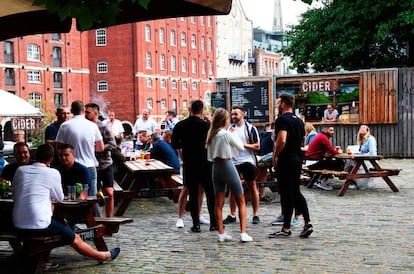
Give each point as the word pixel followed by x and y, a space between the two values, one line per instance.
pixel 219 121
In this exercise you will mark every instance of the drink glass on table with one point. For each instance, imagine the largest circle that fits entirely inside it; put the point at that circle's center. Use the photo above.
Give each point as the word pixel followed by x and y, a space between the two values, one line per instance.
pixel 84 193
pixel 71 193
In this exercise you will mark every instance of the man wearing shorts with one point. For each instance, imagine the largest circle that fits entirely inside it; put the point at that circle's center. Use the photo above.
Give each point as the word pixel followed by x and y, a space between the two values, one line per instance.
pixel 105 170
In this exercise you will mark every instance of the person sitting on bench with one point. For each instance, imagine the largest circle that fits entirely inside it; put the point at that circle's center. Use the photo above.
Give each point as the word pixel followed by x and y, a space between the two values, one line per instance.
pixel 34 187
pixel 320 156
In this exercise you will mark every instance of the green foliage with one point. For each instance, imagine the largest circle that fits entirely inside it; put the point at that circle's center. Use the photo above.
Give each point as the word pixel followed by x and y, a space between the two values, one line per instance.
pixel 318 98
pixel 88 12
pixel 349 96
pixel 353 35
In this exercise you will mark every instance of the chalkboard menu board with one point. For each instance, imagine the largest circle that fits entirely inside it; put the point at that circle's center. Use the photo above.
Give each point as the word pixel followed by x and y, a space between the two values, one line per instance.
pixel 218 99
pixel 254 97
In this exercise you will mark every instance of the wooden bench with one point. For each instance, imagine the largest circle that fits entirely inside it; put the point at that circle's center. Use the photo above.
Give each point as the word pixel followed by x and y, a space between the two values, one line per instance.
pixel 112 224
pixel 33 249
pixel 316 173
pixel 122 195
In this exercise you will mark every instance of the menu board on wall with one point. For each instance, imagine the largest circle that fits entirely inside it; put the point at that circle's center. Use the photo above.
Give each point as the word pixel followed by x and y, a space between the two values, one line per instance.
pixel 254 97
pixel 218 99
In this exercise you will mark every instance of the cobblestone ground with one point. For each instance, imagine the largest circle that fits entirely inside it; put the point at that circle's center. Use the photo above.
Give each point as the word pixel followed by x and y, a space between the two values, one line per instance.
pixel 365 231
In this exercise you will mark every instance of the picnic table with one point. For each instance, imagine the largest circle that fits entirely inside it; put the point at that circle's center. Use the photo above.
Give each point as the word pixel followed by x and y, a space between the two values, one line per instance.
pixel 147 178
pixel 349 176
pixel 37 247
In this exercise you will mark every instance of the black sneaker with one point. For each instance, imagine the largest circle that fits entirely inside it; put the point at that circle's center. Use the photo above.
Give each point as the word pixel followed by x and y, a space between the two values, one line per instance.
pixel 280 233
pixel 196 229
pixel 256 220
pixel 229 220
pixel 307 231
pixel 266 199
pixel 213 228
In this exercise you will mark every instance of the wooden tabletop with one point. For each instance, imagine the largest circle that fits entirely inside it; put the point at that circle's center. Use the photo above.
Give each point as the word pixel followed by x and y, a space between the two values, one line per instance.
pixel 358 156
pixel 150 166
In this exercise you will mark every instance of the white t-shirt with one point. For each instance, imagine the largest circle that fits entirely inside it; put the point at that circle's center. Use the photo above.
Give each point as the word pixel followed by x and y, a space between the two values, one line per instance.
pixel 224 145
pixel 115 126
pixel 141 124
pixel 34 187
pixel 82 134
pixel 246 155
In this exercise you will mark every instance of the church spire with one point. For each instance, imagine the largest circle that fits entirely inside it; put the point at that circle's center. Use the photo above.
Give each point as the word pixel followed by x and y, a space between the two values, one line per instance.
pixel 277 17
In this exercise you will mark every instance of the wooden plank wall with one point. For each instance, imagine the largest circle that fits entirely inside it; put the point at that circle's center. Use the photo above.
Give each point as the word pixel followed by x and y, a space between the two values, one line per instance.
pixel 394 140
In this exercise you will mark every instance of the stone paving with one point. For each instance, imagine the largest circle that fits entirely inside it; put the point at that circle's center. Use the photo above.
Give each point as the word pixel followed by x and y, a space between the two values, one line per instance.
pixel 365 231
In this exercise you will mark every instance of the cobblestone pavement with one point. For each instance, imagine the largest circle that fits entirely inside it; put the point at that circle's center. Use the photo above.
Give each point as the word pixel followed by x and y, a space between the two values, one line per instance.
pixel 365 231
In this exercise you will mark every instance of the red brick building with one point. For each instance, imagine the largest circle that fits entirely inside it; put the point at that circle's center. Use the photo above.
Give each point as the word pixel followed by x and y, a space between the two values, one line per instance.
pixel 159 64
pixel 47 70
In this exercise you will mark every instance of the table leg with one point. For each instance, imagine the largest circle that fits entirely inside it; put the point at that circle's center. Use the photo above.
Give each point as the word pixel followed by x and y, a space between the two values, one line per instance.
pixel 345 186
pixel 386 178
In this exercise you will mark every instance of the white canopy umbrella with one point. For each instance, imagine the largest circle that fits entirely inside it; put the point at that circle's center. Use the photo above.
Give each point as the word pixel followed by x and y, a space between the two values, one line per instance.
pixel 14 106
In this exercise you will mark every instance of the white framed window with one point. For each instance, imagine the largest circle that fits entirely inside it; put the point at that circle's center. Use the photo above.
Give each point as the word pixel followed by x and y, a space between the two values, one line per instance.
pixel 202 43
pixel 162 62
pixel 182 19
pixel 163 104
pixel 35 99
pixel 194 85
pixel 149 103
pixel 102 67
pixel 57 80
pixel 148 61
pixel 147 33
pixel 210 44
pixel 184 85
pixel 174 84
pixel 210 68
pixel 163 83
pixel 102 85
pixel 203 67
pixel 33 52
pixel 161 34
pixel 33 76
pixel 173 63
pixel 184 64
pixel 183 40
pixel 173 41
pixel 201 20
pixel 185 104
pixel 209 21
pixel 149 82
pixel 100 37
pixel 174 104
pixel 193 41
pixel 192 19
pixel 194 66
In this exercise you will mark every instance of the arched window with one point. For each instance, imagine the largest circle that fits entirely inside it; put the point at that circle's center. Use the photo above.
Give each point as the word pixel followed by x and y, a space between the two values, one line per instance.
pixel 102 67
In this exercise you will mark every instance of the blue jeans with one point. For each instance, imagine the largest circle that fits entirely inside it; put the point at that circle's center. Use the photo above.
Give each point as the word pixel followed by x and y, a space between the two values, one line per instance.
pixel 92 191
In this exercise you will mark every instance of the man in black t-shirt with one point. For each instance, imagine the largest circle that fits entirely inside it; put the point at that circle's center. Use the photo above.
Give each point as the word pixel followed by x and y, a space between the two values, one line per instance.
pixel 287 161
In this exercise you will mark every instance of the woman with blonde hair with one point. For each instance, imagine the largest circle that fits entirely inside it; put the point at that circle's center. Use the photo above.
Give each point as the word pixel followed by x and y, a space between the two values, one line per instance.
pixel 367 143
pixel 310 132
pixel 222 145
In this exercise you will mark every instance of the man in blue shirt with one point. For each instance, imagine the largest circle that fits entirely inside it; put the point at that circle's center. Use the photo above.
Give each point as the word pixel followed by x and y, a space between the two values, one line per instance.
pixel 163 151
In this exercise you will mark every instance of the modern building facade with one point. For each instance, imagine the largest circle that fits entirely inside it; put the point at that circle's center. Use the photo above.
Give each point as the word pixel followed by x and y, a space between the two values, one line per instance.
pixel 160 64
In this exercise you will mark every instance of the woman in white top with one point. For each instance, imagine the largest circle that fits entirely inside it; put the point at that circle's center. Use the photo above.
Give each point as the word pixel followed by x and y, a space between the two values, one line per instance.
pixel 222 145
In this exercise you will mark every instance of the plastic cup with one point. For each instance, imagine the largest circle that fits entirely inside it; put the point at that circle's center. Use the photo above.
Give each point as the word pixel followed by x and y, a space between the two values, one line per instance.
pixel 71 193
pixel 142 155
pixel 84 193
pixel 147 156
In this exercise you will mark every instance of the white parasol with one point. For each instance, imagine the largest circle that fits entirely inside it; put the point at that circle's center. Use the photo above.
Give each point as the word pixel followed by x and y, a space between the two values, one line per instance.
pixel 14 106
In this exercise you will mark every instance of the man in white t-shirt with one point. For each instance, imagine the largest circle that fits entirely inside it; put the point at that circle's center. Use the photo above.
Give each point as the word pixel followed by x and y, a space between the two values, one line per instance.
pixel 245 162
pixel 145 122
pixel 115 125
pixel 86 138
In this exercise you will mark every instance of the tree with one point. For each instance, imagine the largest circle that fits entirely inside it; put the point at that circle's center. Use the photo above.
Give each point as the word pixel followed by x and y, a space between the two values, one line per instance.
pixel 353 35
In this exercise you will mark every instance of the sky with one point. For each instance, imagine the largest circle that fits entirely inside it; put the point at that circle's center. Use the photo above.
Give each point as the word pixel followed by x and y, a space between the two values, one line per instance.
pixel 261 12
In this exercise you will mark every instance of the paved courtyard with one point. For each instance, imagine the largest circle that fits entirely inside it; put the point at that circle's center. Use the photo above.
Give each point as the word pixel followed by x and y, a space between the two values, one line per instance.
pixel 365 231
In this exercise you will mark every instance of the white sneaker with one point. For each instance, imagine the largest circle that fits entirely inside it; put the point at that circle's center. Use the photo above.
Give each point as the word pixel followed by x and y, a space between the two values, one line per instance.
pixel 180 223
pixel 244 237
pixel 204 221
pixel 224 237
pixel 324 185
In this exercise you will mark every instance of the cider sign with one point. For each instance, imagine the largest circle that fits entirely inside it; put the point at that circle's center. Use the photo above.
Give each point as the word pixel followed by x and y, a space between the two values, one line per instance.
pixel 319 86
pixel 25 123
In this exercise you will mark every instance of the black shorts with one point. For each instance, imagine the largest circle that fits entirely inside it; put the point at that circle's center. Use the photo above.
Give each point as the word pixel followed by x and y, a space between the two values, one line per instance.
pixel 106 177
pixel 248 171
pixel 55 228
